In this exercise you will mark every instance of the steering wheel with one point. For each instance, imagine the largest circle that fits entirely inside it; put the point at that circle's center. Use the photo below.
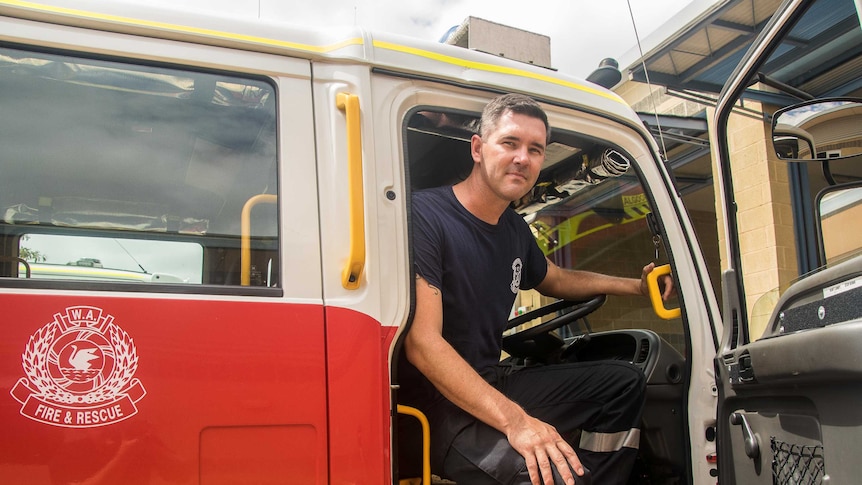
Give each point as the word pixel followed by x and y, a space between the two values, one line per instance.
pixel 537 340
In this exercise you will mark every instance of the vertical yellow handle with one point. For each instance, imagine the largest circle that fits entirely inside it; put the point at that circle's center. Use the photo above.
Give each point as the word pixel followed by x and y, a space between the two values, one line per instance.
pixel 655 294
pixel 245 234
pixel 426 440
pixel 350 277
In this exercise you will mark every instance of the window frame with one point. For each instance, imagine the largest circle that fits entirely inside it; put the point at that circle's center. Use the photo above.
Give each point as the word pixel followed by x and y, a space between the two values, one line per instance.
pixel 14 232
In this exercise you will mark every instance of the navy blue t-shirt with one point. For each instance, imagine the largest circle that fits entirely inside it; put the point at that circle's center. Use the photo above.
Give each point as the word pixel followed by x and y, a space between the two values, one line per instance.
pixel 479 268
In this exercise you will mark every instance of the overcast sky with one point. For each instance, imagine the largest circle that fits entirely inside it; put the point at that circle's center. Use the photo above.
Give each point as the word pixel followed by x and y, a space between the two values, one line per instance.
pixel 582 32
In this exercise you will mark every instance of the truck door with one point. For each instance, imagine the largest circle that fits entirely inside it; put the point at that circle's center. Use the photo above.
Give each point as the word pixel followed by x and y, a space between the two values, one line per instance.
pixel 788 368
pixel 159 259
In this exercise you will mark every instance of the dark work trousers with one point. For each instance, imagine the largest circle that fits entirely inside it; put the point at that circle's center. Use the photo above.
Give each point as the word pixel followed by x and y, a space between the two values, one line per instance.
pixel 599 401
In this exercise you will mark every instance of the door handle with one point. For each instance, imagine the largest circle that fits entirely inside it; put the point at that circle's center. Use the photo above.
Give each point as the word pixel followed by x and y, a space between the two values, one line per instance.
pixel 752 440
pixel 655 294
pixel 350 277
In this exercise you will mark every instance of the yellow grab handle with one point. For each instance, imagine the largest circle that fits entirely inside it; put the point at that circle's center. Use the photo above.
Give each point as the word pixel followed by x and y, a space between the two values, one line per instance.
pixel 426 440
pixel 655 294
pixel 245 234
pixel 350 277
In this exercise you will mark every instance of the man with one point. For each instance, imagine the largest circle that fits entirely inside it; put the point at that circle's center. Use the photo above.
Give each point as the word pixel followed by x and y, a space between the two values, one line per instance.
pixel 472 256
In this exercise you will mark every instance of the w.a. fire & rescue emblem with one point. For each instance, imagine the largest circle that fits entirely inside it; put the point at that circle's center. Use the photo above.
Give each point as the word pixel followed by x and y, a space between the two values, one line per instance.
pixel 79 371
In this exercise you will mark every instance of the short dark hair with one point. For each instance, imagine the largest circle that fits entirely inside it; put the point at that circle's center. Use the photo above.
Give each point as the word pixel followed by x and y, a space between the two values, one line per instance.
pixel 516 103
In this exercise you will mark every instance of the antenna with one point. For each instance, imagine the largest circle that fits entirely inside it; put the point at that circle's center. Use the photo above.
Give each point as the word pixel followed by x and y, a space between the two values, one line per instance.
pixel 130 255
pixel 649 85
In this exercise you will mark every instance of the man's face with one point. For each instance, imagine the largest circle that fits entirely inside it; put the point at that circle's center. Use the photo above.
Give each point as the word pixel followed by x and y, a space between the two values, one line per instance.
pixel 511 156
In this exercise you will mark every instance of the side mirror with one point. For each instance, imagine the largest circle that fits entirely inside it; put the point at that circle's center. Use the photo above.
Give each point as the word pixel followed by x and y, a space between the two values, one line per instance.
pixel 824 129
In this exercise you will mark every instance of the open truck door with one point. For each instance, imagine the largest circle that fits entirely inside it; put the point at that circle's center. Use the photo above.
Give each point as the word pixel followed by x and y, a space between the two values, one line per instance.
pixel 788 365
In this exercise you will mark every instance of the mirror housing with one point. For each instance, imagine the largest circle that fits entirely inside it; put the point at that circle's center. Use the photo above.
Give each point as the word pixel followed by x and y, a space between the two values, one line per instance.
pixel 818 130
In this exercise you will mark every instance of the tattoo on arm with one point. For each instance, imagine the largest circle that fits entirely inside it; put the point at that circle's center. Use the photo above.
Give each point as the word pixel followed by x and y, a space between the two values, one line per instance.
pixel 436 290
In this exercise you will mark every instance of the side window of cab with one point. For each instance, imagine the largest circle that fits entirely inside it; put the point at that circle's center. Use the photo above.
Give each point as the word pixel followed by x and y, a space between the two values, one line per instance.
pixel 121 172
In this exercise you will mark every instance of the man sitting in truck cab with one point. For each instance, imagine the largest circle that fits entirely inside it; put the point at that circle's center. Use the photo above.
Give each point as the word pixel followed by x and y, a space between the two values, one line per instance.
pixel 472 255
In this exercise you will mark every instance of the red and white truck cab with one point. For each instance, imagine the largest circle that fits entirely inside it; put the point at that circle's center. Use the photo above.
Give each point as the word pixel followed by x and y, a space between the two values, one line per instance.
pixel 205 256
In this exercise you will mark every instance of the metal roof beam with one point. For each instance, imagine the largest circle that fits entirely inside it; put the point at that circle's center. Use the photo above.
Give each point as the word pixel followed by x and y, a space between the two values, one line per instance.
pixel 688 157
pixel 672 81
pixel 675 137
pixel 694 184
pixel 765 97
pixel 752 30
pixel 675 122
pixel 734 26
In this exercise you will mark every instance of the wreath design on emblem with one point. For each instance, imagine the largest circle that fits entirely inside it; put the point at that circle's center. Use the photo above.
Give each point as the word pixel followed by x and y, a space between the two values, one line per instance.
pixel 79 371
pixel 80 365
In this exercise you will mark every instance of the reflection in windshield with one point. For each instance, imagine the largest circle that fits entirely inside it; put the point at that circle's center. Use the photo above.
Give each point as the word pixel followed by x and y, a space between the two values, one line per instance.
pixel 839 210
pixel 117 146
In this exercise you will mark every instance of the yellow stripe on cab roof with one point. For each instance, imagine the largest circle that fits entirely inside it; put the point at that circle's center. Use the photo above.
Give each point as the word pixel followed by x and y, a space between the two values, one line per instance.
pixel 318 49
pixel 483 66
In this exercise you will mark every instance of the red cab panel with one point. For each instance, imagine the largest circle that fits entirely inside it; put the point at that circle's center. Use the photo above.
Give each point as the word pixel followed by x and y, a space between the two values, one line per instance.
pixel 146 390
pixel 359 419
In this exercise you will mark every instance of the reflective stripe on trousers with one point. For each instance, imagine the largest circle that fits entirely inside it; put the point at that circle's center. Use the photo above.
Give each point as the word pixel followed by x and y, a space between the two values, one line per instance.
pixel 607 442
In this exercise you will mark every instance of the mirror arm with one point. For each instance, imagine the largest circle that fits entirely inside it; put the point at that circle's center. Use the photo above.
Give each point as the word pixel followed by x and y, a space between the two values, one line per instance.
pixel 827 173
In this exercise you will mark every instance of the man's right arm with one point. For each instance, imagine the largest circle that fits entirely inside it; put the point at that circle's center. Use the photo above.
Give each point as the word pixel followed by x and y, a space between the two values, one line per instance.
pixel 432 355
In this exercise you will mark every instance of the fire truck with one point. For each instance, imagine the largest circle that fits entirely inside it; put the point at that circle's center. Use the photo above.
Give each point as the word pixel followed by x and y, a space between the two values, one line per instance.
pixel 205 254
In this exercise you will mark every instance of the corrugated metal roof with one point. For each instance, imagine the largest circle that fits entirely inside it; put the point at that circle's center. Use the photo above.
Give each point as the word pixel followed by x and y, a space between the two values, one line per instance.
pixel 700 55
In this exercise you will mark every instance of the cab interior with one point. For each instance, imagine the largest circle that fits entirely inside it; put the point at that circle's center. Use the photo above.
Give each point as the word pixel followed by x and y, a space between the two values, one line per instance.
pixel 590 211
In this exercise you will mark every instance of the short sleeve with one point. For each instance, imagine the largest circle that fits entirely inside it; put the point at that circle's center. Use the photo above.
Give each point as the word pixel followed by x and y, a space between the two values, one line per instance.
pixel 427 241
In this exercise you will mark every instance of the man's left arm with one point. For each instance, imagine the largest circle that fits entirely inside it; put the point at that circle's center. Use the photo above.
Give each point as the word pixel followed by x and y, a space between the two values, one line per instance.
pixel 580 285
